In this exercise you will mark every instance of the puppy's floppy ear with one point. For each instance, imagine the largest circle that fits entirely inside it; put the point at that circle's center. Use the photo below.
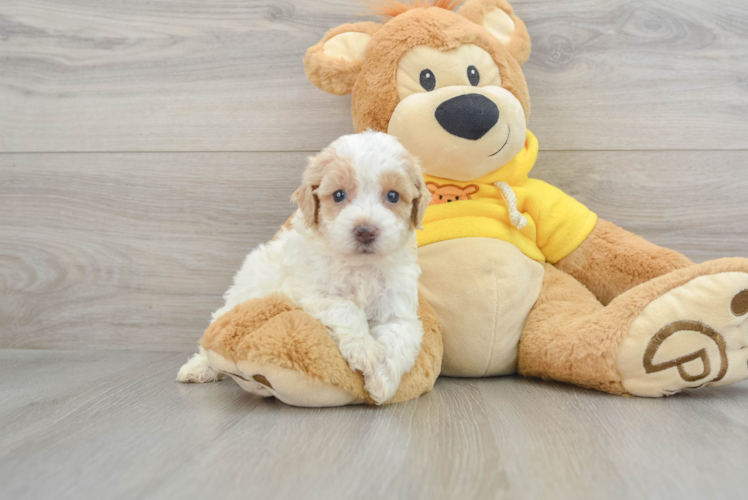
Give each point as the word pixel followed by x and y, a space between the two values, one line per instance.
pixel 335 62
pixel 306 196
pixel 498 17
pixel 308 203
pixel 422 198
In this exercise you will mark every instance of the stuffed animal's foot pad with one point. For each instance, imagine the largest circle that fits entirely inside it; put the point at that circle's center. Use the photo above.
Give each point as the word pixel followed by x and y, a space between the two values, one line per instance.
pixel 290 386
pixel 260 379
pixel 693 336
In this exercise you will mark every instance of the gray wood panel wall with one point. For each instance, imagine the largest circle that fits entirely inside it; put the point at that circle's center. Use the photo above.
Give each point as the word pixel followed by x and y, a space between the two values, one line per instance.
pixel 147 146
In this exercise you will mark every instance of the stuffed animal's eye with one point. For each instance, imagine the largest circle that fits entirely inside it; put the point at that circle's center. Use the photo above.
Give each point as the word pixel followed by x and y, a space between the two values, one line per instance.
pixel 393 196
pixel 473 76
pixel 428 80
pixel 338 196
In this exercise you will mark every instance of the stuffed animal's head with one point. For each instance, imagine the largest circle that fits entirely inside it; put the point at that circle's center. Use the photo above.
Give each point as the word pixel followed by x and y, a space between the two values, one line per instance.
pixel 447 83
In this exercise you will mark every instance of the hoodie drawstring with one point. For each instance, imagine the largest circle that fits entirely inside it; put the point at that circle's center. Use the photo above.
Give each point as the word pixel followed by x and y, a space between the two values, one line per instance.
pixel 518 220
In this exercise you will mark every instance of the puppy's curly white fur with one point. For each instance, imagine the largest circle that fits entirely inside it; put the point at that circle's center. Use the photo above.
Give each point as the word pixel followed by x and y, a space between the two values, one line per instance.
pixel 349 259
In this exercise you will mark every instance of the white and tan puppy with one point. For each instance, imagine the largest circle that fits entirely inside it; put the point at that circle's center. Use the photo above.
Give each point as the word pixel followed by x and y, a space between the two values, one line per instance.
pixel 349 259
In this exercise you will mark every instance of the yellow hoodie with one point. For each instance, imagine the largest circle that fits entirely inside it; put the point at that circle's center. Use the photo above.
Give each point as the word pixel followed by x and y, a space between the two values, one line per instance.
pixel 556 223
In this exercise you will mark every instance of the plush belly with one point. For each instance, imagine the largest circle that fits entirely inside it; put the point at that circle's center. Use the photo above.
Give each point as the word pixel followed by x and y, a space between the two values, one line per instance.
pixel 482 289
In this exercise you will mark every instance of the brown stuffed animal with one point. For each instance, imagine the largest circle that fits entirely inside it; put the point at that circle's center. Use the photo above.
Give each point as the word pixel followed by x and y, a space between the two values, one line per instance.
pixel 522 277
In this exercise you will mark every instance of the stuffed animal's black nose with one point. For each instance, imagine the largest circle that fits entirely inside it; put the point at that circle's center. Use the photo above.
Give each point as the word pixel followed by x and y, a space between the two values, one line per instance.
pixel 365 233
pixel 469 116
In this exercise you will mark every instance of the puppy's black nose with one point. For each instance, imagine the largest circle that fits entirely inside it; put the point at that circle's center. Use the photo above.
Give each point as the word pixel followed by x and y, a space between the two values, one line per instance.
pixel 365 233
pixel 469 116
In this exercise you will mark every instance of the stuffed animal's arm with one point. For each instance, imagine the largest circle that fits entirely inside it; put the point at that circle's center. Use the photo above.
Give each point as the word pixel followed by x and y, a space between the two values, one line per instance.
pixel 612 260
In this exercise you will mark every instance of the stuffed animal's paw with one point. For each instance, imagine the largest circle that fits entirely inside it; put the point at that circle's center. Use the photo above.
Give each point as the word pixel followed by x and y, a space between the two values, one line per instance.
pixel 693 336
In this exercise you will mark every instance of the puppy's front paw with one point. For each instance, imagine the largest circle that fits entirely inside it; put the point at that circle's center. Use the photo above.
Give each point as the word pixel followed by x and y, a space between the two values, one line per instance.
pixel 382 383
pixel 362 355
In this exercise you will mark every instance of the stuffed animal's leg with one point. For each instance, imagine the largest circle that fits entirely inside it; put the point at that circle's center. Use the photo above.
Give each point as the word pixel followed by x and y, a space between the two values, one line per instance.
pixel 686 329
pixel 197 370
pixel 612 260
pixel 552 345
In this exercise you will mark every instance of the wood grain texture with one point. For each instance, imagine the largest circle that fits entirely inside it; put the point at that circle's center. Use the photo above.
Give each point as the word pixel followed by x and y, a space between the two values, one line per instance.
pixel 130 251
pixel 181 75
pixel 112 255
pixel 115 425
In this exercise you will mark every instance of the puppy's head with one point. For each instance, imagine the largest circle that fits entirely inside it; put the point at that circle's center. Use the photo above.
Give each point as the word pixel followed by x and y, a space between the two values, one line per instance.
pixel 364 195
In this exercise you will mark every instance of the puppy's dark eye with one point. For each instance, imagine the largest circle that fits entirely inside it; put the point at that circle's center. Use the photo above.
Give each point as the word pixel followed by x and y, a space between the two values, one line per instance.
pixel 473 76
pixel 428 80
pixel 338 196
pixel 393 197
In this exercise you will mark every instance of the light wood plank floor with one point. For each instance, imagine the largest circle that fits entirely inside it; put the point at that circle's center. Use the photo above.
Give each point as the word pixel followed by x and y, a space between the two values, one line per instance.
pixel 146 146
pixel 114 425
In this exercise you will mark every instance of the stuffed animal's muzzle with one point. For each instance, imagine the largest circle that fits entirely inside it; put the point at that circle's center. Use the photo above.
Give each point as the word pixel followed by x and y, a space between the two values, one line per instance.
pixel 461 132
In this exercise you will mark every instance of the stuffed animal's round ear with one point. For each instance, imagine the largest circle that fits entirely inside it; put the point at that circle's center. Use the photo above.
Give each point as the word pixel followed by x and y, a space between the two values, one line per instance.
pixel 335 62
pixel 498 17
